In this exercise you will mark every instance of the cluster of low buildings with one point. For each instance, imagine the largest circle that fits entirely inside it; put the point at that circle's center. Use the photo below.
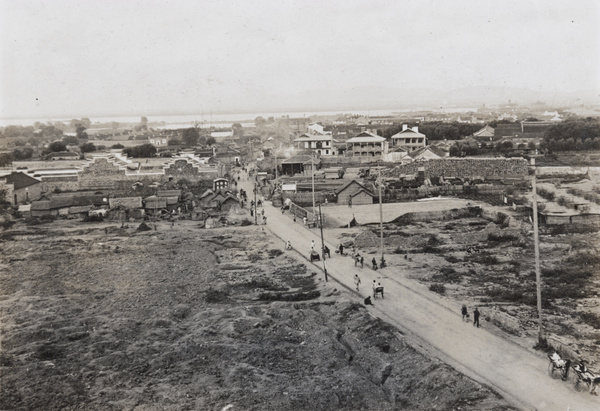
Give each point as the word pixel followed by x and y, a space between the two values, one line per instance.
pixel 115 187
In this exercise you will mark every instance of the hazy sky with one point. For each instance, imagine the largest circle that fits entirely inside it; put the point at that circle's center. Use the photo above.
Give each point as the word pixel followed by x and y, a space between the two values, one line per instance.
pixel 74 58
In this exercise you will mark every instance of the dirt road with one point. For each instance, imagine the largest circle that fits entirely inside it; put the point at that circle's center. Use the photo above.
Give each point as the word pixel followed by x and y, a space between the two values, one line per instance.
pixel 520 375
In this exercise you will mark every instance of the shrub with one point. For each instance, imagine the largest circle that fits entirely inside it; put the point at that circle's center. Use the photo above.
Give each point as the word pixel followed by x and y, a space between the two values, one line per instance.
pixel 433 240
pixel 438 288
pixel 562 201
pixel 6 224
pixel 548 195
pixel 448 274
pixel 452 259
pixel 215 296
pixel 483 258
pixel 591 319
pixel 502 220
pixel 431 249
pixel 501 238
pixel 93 218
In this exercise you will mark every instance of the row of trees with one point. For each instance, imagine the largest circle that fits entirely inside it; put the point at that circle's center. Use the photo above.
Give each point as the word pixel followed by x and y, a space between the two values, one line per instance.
pixel 573 135
pixel 439 130
pixel 472 148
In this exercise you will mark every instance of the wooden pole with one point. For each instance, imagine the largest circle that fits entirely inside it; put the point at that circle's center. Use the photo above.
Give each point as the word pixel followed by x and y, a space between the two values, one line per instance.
pixel 312 160
pixel 381 219
pixel 322 242
pixel 536 247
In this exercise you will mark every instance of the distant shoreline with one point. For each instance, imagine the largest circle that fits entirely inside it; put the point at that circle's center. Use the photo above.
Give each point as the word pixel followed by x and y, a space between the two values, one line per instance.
pixel 203 118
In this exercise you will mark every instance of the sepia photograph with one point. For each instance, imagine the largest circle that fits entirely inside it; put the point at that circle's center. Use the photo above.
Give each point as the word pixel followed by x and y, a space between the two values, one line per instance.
pixel 237 205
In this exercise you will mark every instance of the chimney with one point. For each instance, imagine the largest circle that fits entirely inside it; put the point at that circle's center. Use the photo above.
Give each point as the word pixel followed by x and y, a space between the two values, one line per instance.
pixel 404 127
pixel 416 129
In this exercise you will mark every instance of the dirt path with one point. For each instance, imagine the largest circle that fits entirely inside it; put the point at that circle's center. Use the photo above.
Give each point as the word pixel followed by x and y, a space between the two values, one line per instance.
pixel 520 375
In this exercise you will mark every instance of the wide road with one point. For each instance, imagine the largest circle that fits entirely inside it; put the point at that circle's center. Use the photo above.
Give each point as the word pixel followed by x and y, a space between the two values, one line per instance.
pixel 518 374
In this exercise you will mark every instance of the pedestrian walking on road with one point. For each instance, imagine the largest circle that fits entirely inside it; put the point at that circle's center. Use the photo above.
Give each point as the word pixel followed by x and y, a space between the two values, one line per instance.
pixel 265 220
pixel 362 261
pixel 326 252
pixel 476 317
pixel 374 261
pixel 341 249
pixel 356 281
pixel 374 286
pixel 356 260
pixel 304 220
pixel 465 313
pixel 312 245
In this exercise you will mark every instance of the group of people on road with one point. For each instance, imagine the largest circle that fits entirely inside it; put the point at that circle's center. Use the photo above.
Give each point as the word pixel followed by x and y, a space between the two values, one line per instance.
pixel 466 316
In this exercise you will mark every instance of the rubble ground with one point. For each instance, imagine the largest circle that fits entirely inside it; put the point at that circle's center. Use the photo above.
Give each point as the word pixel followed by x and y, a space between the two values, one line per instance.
pixel 96 316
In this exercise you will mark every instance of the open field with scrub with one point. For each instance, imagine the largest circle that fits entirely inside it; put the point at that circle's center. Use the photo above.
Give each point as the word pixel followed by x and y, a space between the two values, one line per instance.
pixel 97 316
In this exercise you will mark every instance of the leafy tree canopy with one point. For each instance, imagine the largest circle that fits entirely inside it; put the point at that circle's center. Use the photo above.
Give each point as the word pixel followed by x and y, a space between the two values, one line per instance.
pixel 144 151
pixel 190 136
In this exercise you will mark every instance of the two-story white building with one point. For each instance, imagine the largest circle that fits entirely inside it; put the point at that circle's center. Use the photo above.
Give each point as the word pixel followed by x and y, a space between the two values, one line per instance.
pixel 409 138
pixel 321 144
pixel 366 145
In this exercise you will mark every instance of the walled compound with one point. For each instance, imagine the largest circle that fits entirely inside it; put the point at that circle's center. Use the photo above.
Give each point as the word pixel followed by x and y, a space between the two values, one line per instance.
pixel 113 170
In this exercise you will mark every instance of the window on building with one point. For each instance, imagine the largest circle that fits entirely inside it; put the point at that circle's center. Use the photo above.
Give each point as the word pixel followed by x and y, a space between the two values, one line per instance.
pixel 326 151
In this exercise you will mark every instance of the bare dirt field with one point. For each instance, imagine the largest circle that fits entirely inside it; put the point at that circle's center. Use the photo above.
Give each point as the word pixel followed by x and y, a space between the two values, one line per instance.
pixel 94 316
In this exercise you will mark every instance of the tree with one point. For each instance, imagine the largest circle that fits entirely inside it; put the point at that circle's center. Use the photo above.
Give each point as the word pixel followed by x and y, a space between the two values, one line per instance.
pixel 6 159
pixel 81 133
pixel 174 142
pixel 117 146
pixel 22 153
pixel 87 148
pixel 238 130
pixel 70 140
pixel 210 141
pixel 190 136
pixel 260 121
pixel 143 151
pixel 57 146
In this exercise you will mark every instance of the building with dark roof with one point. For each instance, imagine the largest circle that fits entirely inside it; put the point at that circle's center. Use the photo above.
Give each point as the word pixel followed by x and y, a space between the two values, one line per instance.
pixel 354 193
pixel 24 188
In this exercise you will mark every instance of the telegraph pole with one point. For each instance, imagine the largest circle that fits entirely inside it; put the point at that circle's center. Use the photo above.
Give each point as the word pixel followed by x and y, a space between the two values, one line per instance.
pixel 255 188
pixel 322 243
pixel 536 247
pixel 381 219
pixel 312 160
